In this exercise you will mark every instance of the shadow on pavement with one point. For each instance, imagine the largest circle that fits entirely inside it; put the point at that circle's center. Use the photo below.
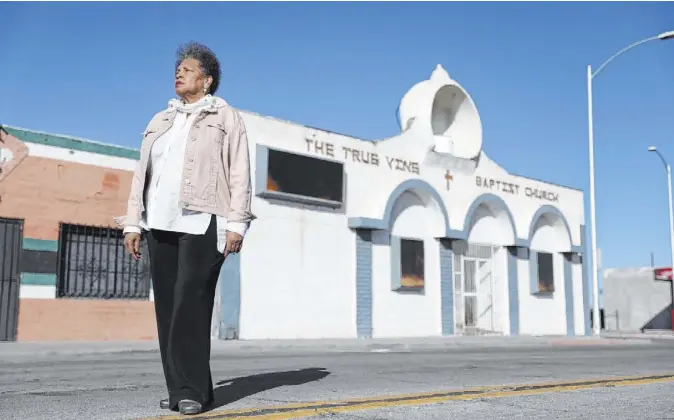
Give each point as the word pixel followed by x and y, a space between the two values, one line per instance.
pixel 232 390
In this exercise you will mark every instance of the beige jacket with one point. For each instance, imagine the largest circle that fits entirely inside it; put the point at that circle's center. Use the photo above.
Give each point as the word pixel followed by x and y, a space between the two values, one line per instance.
pixel 216 175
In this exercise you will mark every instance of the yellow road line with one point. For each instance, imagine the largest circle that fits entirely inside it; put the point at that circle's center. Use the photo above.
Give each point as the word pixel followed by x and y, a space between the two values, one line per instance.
pixel 294 411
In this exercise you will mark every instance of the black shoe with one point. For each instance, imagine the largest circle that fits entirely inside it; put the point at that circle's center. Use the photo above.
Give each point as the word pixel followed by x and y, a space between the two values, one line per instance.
pixel 188 407
pixel 164 404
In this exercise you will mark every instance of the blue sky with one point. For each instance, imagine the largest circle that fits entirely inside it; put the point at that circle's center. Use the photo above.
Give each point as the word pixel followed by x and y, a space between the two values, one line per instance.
pixel 100 70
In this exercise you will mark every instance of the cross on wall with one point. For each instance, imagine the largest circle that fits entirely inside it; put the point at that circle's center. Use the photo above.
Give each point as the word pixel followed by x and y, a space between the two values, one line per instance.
pixel 448 178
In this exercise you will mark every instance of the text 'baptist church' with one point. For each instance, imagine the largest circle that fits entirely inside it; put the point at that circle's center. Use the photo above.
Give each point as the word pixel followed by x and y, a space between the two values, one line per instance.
pixel 514 189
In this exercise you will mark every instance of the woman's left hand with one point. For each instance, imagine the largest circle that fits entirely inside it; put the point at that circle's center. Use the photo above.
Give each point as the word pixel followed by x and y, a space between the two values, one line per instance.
pixel 234 242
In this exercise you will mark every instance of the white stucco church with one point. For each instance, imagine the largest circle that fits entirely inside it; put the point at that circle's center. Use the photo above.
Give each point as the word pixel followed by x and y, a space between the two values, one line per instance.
pixel 420 234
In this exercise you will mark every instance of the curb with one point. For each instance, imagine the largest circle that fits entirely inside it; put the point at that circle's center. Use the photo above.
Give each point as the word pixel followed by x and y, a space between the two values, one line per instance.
pixel 33 350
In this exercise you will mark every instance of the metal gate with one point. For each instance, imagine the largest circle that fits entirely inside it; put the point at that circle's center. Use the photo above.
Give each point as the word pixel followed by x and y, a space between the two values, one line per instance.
pixel 11 240
pixel 474 279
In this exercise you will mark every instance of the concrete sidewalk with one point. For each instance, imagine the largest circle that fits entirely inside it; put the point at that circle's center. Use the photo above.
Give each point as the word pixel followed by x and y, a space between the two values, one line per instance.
pixel 647 334
pixel 50 349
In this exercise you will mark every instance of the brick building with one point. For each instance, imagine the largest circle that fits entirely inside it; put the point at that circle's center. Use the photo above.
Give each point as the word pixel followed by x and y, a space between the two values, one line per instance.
pixel 65 275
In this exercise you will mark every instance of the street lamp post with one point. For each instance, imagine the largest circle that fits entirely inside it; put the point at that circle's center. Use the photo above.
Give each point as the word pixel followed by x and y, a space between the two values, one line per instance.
pixel 593 218
pixel 671 220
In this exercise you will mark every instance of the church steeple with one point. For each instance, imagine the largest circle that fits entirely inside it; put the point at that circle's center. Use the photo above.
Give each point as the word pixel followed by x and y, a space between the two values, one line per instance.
pixel 440 75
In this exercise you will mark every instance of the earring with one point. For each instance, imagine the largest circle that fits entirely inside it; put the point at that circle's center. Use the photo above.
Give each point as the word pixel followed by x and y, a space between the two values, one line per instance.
pixel 205 89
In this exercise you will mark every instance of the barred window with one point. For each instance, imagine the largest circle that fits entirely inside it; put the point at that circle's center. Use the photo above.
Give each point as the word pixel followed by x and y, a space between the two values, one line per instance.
pixel 92 263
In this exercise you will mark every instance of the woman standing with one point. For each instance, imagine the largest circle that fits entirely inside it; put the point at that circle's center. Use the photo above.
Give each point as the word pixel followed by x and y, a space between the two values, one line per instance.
pixel 191 193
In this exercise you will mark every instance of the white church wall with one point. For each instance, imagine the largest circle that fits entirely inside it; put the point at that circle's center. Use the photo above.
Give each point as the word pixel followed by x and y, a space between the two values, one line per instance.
pixel 550 235
pixel 299 278
pixel 522 196
pixel 544 313
pixel 490 226
pixel 390 162
pixel 415 313
pixel 299 281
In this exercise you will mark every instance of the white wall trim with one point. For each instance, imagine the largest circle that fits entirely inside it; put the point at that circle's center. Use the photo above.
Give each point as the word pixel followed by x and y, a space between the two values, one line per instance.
pixel 76 156
pixel 31 291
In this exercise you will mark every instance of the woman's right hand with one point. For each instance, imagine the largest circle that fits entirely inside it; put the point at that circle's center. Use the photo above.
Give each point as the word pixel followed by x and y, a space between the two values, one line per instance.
pixel 132 244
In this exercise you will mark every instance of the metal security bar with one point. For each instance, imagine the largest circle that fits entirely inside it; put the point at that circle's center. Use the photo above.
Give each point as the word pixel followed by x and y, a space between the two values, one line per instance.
pixel 474 274
pixel 11 240
pixel 93 264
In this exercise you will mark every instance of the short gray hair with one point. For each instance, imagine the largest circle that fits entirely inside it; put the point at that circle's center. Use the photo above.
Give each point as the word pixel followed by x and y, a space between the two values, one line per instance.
pixel 210 66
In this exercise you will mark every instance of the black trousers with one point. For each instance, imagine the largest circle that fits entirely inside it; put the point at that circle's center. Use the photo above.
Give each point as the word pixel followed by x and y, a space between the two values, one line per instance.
pixel 185 270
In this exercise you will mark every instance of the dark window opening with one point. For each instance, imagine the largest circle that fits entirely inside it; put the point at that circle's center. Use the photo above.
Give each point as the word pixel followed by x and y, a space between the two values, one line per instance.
pixel 305 176
pixel 545 272
pixel 412 263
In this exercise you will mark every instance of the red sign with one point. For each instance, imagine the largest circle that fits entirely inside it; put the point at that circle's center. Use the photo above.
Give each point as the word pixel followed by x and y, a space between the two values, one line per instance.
pixel 663 273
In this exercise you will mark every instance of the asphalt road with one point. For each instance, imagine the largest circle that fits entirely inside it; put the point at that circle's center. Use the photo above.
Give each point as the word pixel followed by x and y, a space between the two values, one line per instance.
pixel 129 385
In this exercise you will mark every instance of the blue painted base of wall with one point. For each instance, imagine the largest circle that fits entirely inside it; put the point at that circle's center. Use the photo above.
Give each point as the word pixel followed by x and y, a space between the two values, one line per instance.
pixel 447 287
pixel 38 279
pixel 230 297
pixel 568 294
pixel 364 283
pixel 515 253
pixel 38 262
pixel 31 244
